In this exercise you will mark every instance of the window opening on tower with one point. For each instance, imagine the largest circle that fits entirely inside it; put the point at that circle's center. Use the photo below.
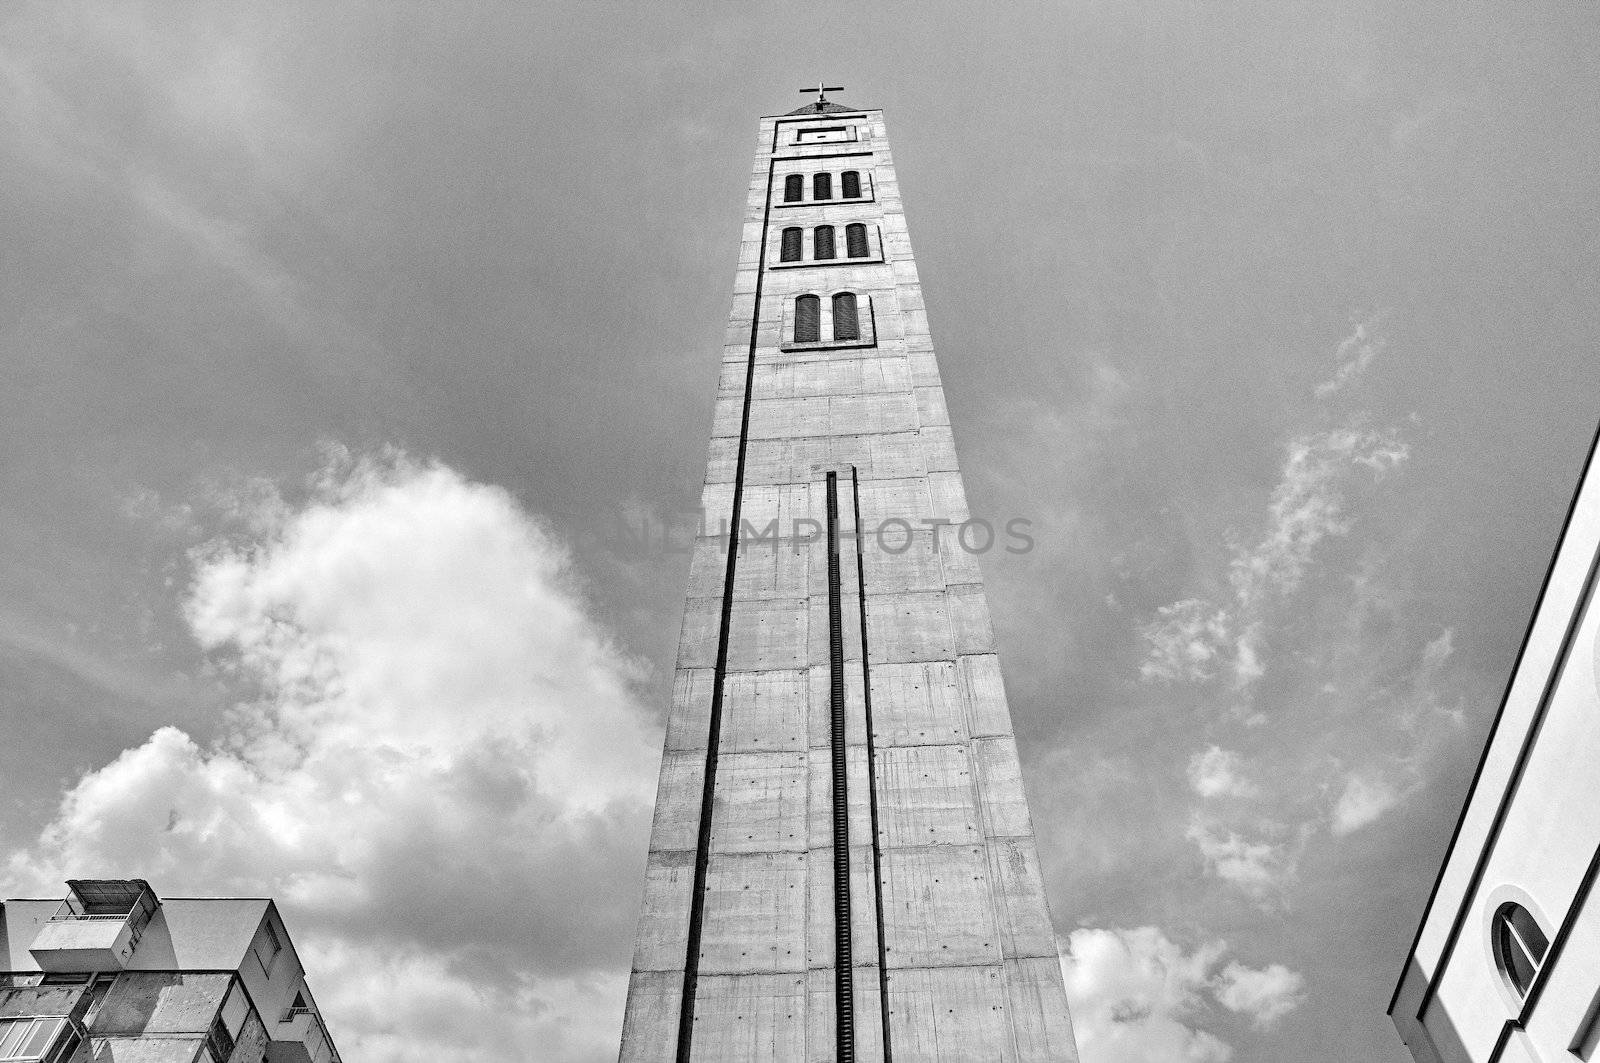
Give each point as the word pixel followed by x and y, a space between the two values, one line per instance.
pixel 855 240
pixel 807 319
pixel 823 242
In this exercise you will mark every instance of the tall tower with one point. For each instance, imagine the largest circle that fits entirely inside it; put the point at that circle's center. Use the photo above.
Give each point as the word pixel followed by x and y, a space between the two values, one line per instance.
pixel 841 865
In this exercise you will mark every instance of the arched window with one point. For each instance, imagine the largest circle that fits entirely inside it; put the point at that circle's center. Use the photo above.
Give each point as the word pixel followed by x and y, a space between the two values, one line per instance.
pixel 794 188
pixel 845 324
pixel 808 319
pixel 822 242
pixel 822 186
pixel 790 251
pixel 850 184
pixel 855 240
pixel 1519 945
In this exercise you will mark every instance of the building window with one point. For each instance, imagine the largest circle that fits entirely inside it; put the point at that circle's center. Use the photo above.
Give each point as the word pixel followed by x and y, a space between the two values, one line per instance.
pixel 822 186
pixel 1519 945
pixel 846 326
pixel 855 240
pixel 267 947
pixel 791 246
pixel 807 319
pixel 850 184
pixel 794 188
pixel 822 242
pixel 29 1039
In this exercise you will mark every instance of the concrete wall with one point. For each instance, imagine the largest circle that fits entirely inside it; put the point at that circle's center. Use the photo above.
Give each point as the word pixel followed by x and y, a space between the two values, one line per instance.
pixel 1530 833
pixel 973 971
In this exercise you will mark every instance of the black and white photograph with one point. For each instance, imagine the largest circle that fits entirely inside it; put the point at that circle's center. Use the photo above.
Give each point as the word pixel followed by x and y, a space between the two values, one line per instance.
pixel 511 552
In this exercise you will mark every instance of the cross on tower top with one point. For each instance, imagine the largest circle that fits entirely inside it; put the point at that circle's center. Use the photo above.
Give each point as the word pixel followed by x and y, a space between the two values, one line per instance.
pixel 822 92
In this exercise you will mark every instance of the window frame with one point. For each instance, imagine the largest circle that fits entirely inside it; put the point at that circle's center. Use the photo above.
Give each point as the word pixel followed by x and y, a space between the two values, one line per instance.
pixel 809 299
pixel 822 187
pixel 270 935
pixel 819 235
pixel 796 183
pixel 1513 949
pixel 840 300
pixel 852 229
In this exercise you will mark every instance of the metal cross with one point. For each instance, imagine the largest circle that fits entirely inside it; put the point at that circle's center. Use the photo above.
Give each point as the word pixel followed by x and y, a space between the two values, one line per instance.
pixel 822 92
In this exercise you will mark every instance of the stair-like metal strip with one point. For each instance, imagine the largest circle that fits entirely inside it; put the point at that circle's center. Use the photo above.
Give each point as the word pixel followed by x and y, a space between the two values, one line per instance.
pixel 844 972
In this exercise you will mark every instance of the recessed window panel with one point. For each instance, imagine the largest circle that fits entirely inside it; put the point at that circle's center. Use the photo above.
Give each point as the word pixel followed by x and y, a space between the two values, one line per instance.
pixel 794 188
pixel 822 186
pixel 823 242
pixel 855 240
pixel 1519 945
pixel 807 319
pixel 850 184
pixel 846 326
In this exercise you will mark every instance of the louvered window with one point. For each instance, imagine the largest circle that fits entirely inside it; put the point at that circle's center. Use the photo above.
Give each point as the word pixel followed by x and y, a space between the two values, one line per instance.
pixel 822 186
pixel 845 324
pixel 823 242
pixel 855 240
pixel 807 319
pixel 850 184
pixel 791 246
pixel 794 188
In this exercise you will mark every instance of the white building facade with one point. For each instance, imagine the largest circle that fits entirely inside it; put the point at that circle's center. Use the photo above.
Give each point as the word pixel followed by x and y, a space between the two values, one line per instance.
pixel 1505 967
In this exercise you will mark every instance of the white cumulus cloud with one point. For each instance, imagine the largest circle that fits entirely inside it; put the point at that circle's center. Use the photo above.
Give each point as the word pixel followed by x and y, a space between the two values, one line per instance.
pixel 441 772
pixel 1262 870
pixel 1218 772
pixel 1137 996
pixel 1264 995
pixel 1364 799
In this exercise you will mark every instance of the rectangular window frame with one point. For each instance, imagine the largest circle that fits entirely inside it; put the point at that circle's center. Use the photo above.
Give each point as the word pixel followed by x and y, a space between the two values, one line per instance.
pixel 866 324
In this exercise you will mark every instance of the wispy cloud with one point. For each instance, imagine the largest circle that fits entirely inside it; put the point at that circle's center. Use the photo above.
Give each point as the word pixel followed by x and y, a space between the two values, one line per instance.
pixel 1364 799
pixel 1217 772
pixel 429 683
pixel 1197 639
pixel 1262 870
pixel 1356 352
pixel 1138 996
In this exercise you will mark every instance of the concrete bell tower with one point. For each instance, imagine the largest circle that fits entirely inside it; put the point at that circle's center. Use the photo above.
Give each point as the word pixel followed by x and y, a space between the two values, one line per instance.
pixel 842 866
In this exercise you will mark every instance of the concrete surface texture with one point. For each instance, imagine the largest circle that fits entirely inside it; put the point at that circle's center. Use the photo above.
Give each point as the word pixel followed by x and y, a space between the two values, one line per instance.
pixel 859 880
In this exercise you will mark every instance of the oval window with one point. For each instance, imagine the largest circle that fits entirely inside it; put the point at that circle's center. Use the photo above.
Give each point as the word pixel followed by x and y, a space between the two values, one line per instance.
pixel 1519 945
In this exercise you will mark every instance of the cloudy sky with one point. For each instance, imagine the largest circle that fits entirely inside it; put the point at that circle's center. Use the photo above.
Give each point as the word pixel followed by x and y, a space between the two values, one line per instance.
pixel 347 347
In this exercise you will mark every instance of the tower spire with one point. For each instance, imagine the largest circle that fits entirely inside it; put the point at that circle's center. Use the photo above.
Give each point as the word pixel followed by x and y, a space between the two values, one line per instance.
pixel 822 93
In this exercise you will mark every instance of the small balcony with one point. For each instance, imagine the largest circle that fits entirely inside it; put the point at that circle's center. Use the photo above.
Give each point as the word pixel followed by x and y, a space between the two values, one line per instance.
pixel 301 1038
pixel 96 928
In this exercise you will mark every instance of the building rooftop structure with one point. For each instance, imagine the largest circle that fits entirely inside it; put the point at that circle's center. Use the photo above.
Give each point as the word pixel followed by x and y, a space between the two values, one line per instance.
pixel 111 973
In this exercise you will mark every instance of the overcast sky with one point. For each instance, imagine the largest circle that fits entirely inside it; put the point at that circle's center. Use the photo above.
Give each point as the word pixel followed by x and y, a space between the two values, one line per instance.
pixel 343 342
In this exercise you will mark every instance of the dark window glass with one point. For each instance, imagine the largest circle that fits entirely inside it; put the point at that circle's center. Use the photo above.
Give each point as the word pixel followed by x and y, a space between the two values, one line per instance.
pixel 794 188
pixel 791 246
pixel 822 186
pixel 807 319
pixel 855 240
pixel 850 184
pixel 1520 945
pixel 823 242
pixel 845 324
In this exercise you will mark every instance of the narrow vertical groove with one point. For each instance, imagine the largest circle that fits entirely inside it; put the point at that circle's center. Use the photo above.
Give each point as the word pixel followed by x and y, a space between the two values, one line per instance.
pixel 872 775
pixel 702 856
pixel 844 971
